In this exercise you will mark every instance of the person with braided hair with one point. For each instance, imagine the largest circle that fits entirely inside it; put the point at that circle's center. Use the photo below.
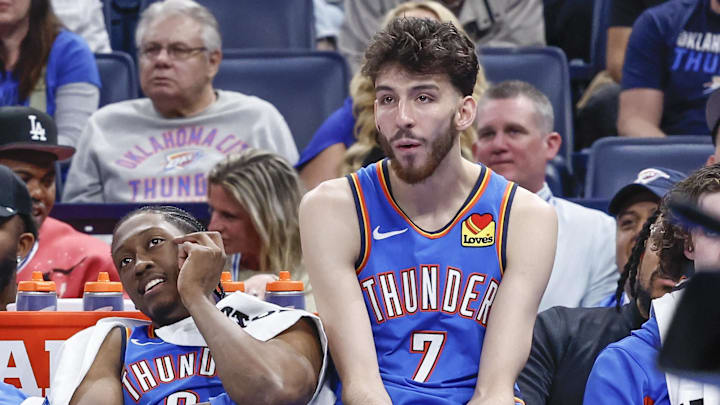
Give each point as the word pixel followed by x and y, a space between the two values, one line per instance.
pixel 194 350
pixel 627 372
pixel 566 341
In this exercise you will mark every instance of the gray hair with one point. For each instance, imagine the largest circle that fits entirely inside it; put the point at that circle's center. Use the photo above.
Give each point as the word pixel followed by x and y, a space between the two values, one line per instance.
pixel 189 8
pixel 517 88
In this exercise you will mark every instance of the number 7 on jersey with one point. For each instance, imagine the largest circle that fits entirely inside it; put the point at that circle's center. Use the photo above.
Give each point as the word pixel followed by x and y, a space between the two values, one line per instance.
pixel 430 344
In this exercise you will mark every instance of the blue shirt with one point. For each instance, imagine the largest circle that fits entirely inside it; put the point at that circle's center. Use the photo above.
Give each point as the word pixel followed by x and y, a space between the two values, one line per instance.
pixel 9 395
pixel 626 372
pixel 675 48
pixel 70 61
pixel 337 128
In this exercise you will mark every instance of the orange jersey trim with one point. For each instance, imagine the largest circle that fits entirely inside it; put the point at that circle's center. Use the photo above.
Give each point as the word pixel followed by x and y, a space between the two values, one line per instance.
pixel 365 225
pixel 463 211
pixel 501 225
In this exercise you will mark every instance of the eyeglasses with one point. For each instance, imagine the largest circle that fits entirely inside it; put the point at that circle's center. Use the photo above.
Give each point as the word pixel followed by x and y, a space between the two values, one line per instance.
pixel 174 51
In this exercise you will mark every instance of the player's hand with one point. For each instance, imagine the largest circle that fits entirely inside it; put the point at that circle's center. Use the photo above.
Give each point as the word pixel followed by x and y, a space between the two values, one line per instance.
pixel 201 259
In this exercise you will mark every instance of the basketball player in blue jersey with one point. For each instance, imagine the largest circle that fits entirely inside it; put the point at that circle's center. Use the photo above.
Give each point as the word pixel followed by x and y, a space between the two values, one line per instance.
pixel 170 267
pixel 425 261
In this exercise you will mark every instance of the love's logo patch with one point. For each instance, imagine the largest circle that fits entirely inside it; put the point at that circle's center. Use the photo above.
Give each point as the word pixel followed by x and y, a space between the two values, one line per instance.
pixel 478 230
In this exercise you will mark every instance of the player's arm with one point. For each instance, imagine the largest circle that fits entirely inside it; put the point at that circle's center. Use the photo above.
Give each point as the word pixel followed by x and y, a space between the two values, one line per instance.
pixel 101 384
pixel 530 252
pixel 286 368
pixel 330 237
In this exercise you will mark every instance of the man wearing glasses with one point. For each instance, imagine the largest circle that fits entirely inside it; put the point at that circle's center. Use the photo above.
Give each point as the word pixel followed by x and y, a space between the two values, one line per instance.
pixel 160 147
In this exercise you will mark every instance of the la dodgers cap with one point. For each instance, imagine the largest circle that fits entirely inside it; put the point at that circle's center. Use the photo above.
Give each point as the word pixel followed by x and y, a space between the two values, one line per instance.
pixel 15 198
pixel 712 112
pixel 28 128
pixel 657 180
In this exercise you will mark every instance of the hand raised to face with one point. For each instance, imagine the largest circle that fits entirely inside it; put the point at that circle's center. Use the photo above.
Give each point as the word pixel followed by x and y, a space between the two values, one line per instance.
pixel 201 259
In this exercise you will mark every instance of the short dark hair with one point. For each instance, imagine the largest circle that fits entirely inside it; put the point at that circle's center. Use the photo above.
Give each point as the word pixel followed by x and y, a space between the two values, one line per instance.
pixel 184 220
pixel 424 46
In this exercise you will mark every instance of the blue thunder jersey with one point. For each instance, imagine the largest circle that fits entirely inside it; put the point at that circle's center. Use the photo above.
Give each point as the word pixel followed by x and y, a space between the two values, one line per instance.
pixel 157 372
pixel 429 293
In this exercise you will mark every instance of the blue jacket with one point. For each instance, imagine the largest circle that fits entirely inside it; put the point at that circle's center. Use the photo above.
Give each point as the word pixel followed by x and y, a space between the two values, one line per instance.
pixel 626 372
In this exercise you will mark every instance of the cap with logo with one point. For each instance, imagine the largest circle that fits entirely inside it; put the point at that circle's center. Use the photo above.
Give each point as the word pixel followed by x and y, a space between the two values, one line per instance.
pixel 15 198
pixel 28 128
pixel 657 180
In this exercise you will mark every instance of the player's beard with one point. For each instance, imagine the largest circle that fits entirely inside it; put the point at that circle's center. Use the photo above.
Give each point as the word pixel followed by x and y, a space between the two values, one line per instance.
pixel 439 148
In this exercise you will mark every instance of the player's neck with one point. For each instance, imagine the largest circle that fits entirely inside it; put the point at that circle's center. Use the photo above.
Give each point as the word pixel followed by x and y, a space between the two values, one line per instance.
pixel 432 202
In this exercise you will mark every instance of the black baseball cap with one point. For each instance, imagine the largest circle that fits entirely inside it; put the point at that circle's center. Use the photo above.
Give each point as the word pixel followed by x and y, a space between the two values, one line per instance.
pixel 657 180
pixel 15 199
pixel 30 129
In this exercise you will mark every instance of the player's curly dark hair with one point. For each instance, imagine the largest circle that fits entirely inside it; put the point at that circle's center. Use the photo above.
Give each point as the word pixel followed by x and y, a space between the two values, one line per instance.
pixel 424 46
pixel 630 270
pixel 185 221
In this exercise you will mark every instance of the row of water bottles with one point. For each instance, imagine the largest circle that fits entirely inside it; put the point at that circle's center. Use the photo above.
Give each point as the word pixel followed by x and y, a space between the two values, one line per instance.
pixel 38 294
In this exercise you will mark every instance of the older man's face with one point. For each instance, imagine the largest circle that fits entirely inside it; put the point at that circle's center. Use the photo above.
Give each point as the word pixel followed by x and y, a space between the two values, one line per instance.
pixel 175 66
pixel 511 142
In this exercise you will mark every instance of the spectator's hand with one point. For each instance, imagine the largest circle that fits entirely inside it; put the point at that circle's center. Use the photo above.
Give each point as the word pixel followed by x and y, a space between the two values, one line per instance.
pixel 255 285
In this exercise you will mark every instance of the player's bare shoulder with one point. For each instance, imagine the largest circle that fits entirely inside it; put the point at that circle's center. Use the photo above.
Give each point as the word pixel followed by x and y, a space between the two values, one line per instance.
pixel 329 196
pixel 532 220
pixel 328 216
pixel 526 202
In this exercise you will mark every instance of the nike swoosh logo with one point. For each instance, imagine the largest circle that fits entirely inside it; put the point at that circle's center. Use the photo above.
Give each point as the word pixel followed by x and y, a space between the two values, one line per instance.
pixel 377 235
pixel 139 343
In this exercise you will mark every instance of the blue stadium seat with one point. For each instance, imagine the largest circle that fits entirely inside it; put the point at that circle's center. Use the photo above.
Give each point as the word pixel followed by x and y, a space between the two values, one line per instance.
pixel 615 162
pixel 118 77
pixel 585 71
pixel 306 87
pixel 253 24
pixel 545 68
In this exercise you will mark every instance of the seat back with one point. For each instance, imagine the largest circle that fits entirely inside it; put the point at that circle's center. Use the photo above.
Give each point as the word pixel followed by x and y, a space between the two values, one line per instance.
pixel 615 162
pixel 255 24
pixel 545 68
pixel 306 87
pixel 118 77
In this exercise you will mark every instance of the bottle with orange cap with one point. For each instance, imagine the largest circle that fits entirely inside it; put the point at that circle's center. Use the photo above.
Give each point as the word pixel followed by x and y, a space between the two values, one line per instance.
pixel 285 292
pixel 103 294
pixel 230 286
pixel 36 294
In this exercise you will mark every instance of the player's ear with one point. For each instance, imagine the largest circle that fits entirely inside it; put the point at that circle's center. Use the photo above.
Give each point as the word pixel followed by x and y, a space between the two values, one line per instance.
pixel 465 114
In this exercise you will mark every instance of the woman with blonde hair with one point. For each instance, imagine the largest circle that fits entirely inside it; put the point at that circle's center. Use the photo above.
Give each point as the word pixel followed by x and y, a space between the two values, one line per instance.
pixel 254 197
pixel 346 140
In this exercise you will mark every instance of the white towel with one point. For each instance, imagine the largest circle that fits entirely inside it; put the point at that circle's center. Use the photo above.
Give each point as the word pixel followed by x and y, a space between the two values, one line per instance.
pixel 680 390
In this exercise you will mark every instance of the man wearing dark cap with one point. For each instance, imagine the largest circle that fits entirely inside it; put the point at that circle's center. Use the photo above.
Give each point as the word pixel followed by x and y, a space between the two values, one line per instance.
pixel 566 341
pixel 17 231
pixel 632 205
pixel 29 147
